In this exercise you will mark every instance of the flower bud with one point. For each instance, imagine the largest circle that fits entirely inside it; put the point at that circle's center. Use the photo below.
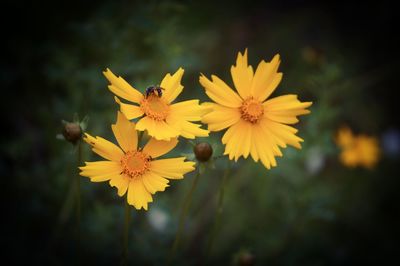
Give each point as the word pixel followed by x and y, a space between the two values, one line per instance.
pixel 203 151
pixel 72 132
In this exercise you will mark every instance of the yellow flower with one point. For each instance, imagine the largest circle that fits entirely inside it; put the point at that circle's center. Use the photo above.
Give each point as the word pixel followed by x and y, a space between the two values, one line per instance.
pixel 256 127
pixel 358 150
pixel 134 169
pixel 162 119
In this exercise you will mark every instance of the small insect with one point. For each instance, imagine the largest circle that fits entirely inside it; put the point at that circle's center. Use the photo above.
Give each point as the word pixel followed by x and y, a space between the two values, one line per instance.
pixel 155 90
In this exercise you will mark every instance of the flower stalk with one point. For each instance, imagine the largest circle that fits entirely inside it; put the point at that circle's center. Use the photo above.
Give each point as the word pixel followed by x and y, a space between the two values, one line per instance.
pixel 217 219
pixel 182 218
pixel 127 222
pixel 78 199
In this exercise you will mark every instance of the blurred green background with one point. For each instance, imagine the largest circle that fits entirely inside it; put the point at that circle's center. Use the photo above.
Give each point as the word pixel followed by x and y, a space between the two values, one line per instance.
pixel 310 210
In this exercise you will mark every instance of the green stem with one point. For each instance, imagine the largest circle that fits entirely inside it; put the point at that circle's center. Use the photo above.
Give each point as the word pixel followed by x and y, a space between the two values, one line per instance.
pixel 78 200
pixel 182 217
pixel 218 214
pixel 127 222
pixel 78 186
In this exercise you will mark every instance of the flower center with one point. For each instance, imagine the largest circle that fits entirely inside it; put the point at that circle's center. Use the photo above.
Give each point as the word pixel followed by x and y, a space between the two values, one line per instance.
pixel 155 107
pixel 135 164
pixel 251 110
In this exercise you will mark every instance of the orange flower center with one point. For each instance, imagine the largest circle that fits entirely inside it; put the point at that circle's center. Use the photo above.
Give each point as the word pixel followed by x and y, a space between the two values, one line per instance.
pixel 135 164
pixel 251 110
pixel 155 107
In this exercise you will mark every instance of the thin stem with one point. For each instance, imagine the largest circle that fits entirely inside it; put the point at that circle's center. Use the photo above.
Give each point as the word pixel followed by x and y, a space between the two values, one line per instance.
pixel 218 214
pixel 182 217
pixel 78 200
pixel 78 186
pixel 127 222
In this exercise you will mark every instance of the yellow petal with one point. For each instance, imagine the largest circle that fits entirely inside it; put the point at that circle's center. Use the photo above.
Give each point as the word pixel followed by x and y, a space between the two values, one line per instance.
pixel 266 79
pixel 125 133
pixel 281 99
pixel 173 168
pixel 220 117
pixel 271 139
pixel 285 109
pixel 239 143
pixel 264 147
pixel 156 148
pixel 282 132
pixel 102 178
pixel 121 182
pixel 191 130
pixel 160 130
pixel 104 148
pixel 368 150
pixel 246 143
pixel 345 137
pixel 189 110
pixel 219 92
pixel 288 106
pixel 138 196
pixel 129 110
pixel 349 158
pixel 122 88
pixel 154 183
pixel 285 119
pixel 100 168
pixel 233 139
pixel 253 149
pixel 242 75
pixel 172 85
pixel 230 132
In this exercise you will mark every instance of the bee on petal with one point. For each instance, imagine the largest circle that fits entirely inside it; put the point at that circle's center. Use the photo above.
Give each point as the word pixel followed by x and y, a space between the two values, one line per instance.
pixel 154 90
pixel 155 109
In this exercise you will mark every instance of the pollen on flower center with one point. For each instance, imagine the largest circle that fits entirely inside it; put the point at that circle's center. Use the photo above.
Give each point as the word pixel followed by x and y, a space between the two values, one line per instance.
pixel 155 107
pixel 135 163
pixel 251 110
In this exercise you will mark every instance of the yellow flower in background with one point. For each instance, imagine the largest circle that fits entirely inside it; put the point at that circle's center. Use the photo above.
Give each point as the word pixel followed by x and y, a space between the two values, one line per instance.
pixel 256 126
pixel 358 150
pixel 131 169
pixel 158 115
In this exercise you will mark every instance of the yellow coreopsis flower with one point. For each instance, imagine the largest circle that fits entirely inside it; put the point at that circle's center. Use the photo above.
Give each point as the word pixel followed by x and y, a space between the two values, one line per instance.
pixel 159 116
pixel 134 169
pixel 358 150
pixel 256 126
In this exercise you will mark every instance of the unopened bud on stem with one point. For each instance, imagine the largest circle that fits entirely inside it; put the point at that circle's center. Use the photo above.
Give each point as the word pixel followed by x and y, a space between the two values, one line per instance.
pixel 203 151
pixel 72 132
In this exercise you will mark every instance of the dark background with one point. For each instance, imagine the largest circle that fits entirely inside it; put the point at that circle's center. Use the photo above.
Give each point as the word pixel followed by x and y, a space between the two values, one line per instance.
pixel 51 68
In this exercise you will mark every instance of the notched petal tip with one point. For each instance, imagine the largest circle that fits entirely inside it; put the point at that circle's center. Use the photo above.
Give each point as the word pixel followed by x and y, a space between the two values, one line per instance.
pixel 242 55
pixel 89 139
pixel 106 71
pixel 108 74
pixel 307 104
pixel 277 57
pixel 202 78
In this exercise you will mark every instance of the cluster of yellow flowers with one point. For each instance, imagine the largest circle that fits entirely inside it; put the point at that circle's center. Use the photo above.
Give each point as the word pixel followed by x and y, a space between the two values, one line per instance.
pixel 360 150
pixel 257 126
